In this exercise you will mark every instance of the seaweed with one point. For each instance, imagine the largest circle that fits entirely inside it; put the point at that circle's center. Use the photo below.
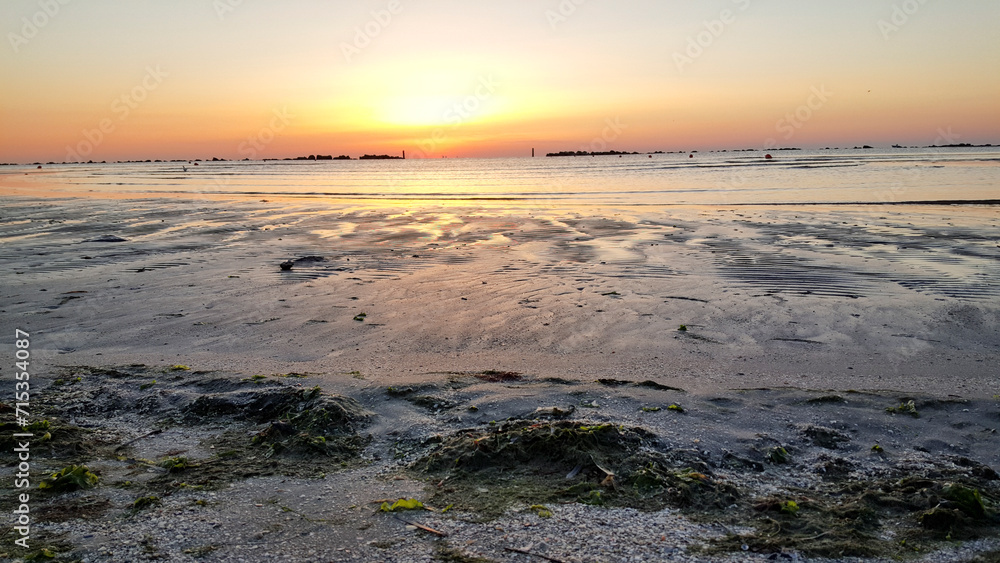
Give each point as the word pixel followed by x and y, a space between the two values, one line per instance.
pixel 70 478
pixel 659 387
pixel 174 464
pixel 778 455
pixel 969 500
pixel 789 507
pixel 310 422
pixel 88 508
pixel 447 554
pixel 489 470
pixel 142 503
pixel 846 518
pixel 43 554
pixel 826 399
pixel 498 376
pixel 608 382
pixel 402 505
pixel 907 407
pixel 541 510
pixel 551 412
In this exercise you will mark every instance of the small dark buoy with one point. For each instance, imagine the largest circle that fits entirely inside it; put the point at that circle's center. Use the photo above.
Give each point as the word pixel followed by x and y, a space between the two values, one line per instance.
pixel 286 265
pixel 768 157
pixel 650 156
pixel 39 167
pixel 690 156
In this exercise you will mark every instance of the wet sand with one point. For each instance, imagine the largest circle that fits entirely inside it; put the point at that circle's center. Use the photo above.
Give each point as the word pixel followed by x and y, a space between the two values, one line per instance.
pixel 875 305
pixel 865 298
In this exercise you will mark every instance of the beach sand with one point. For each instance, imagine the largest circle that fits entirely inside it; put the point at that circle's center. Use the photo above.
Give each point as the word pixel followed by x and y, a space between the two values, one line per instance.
pixel 794 318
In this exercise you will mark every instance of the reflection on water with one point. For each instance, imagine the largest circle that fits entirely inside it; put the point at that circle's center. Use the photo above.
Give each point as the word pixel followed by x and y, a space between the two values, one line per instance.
pixel 835 176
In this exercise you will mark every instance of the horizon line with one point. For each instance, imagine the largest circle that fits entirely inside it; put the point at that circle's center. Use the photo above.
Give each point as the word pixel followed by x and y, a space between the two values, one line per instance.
pixel 560 154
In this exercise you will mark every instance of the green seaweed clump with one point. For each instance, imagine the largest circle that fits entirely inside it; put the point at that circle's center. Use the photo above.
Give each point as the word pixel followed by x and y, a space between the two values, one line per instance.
pixel 778 455
pixel 38 426
pixel 311 422
pixel 533 462
pixel 905 408
pixel 175 464
pixel 70 478
pixel 790 507
pixel 401 505
pixel 847 519
pixel 145 502
pixel 541 510
pixel 969 500
pixel 43 554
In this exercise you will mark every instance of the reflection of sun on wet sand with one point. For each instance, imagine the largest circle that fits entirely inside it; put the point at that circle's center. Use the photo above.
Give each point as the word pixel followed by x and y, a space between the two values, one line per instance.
pixel 562 329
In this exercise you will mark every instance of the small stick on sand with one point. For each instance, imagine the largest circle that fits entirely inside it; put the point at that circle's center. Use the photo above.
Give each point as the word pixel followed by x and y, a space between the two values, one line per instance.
pixel 539 555
pixel 422 527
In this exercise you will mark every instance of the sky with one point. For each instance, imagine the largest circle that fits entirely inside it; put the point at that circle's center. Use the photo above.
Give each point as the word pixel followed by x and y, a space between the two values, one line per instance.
pixel 183 79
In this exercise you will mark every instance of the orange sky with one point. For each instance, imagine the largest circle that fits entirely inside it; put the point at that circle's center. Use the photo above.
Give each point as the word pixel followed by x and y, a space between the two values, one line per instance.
pixel 109 80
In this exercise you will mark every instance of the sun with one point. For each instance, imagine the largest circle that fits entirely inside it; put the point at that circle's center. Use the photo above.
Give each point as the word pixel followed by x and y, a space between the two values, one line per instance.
pixel 415 111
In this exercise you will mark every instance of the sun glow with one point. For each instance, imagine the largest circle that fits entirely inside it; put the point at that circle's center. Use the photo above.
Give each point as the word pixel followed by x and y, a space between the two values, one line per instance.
pixel 414 111
pixel 271 79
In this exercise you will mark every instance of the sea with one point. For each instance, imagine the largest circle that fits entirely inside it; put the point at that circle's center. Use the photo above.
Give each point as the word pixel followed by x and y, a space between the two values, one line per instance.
pixel 964 175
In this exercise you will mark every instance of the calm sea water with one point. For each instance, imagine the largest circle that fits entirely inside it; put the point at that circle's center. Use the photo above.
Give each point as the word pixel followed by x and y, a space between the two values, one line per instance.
pixel 718 178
